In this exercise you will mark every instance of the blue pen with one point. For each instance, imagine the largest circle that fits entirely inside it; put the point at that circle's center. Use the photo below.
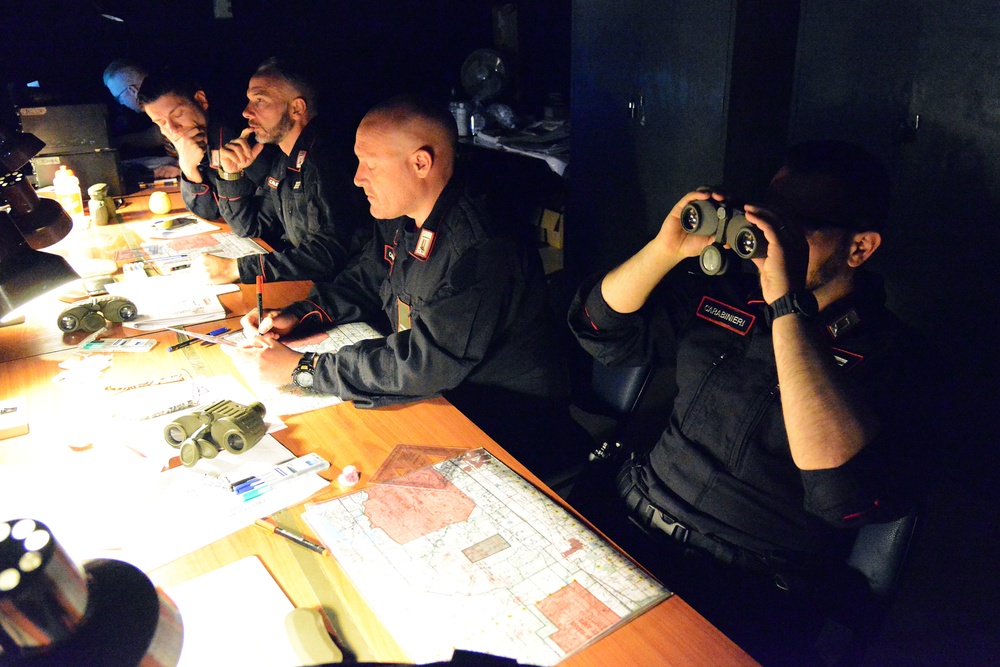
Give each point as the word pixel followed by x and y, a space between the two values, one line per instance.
pixel 246 486
pixel 217 332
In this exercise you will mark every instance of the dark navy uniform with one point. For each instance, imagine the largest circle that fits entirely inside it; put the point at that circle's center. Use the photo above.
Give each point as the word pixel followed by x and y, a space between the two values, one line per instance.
pixel 202 199
pixel 309 211
pixel 467 312
pixel 723 464
pixel 733 514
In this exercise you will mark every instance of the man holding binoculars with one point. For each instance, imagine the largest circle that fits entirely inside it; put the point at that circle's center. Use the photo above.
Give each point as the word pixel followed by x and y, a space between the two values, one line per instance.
pixel 794 422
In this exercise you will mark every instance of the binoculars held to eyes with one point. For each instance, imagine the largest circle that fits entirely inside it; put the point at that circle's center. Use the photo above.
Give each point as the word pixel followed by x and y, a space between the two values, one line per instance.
pixel 95 314
pixel 729 225
pixel 222 425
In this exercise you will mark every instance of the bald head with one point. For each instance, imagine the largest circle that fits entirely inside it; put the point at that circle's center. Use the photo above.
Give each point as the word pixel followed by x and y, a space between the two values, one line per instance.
pixel 406 156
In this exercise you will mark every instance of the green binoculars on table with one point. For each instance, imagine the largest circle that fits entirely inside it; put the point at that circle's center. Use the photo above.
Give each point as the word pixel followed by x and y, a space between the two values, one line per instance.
pixel 222 425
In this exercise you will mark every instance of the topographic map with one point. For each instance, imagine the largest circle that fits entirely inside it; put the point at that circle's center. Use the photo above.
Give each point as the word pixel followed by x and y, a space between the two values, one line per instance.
pixel 467 554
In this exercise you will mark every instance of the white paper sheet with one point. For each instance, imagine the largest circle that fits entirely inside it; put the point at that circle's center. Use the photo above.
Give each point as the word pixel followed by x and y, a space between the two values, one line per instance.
pixel 234 616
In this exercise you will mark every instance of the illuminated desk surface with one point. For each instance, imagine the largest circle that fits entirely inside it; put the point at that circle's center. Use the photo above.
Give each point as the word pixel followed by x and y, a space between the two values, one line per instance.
pixel 671 633
pixel 38 334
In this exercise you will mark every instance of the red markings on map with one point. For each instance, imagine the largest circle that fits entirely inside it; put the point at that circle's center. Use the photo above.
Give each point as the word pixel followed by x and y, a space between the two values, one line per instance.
pixel 574 546
pixel 578 614
pixel 415 505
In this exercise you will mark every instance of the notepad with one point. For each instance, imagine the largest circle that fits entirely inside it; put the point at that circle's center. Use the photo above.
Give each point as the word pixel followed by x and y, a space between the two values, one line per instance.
pixel 234 616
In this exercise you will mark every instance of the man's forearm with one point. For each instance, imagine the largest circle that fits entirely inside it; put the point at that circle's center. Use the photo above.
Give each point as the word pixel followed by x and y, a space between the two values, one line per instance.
pixel 627 287
pixel 825 427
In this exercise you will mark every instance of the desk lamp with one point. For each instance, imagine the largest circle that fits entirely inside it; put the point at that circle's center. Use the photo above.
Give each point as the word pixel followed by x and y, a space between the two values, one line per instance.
pixel 32 223
pixel 55 614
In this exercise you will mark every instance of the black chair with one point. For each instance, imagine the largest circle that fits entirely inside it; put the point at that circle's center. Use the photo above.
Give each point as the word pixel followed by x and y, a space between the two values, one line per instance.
pixel 878 554
pixel 880 550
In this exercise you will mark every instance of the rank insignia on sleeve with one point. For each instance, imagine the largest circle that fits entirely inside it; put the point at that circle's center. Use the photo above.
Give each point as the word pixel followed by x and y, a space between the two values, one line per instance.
pixel 725 316
pixel 424 244
pixel 846 360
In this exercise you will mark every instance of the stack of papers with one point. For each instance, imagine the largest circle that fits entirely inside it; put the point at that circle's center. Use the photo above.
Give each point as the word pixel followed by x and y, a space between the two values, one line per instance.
pixel 171 301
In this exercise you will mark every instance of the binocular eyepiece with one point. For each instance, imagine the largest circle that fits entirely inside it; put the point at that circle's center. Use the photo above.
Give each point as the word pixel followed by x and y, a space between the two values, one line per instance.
pixel 729 225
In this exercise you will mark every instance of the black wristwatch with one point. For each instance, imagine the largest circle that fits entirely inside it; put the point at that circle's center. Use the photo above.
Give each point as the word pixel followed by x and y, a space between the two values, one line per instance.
pixel 802 302
pixel 303 376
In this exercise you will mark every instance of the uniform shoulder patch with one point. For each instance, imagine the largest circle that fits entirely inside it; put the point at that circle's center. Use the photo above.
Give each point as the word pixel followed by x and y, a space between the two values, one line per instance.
pixel 724 315
pixel 273 182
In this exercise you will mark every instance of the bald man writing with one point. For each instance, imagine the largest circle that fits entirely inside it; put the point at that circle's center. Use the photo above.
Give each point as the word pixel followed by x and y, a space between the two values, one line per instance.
pixel 465 306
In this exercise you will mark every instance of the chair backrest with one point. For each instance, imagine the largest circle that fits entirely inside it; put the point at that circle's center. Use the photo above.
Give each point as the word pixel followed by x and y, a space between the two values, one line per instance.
pixel 879 551
pixel 618 389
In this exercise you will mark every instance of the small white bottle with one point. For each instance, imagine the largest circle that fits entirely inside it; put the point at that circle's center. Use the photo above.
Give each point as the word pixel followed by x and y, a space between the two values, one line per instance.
pixel 68 193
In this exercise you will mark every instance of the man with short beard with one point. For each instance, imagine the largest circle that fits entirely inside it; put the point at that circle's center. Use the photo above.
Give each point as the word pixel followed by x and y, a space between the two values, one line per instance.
pixel 308 211
pixel 797 417
pixel 180 109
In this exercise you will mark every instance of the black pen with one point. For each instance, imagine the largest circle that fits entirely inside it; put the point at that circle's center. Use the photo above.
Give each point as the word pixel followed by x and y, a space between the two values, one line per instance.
pixel 301 541
pixel 181 344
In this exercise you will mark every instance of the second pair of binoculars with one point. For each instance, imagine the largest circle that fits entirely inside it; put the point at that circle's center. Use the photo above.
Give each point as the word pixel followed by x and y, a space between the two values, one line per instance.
pixel 727 222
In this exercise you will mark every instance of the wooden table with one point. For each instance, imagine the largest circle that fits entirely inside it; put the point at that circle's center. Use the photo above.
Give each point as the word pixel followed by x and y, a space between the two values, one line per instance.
pixel 38 333
pixel 671 633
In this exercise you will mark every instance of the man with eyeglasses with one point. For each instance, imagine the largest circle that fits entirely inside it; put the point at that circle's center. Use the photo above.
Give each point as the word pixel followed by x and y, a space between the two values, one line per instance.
pixel 145 153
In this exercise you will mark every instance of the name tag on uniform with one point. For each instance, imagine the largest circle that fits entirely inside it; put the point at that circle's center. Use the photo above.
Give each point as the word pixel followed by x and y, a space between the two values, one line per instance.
pixel 272 182
pixel 724 315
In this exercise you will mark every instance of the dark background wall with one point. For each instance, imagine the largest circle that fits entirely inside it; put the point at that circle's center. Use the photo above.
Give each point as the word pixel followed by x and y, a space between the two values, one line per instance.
pixel 367 49
pixel 860 70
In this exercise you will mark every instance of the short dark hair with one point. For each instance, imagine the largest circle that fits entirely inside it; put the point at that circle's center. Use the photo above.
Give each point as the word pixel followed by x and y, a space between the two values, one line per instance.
pixel 300 75
pixel 864 177
pixel 158 84
pixel 409 105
